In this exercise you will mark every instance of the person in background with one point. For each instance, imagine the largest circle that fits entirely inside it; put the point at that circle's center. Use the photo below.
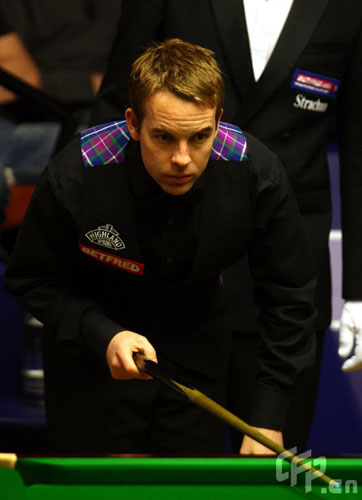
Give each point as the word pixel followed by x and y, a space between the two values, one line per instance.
pixel 61 48
pixel 6 38
pixel 292 68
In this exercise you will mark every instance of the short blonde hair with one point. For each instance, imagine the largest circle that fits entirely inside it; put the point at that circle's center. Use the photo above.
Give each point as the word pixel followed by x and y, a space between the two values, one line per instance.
pixel 187 70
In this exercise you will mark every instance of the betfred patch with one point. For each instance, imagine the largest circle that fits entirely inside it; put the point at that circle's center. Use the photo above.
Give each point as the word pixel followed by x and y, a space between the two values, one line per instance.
pixel 107 258
pixel 315 84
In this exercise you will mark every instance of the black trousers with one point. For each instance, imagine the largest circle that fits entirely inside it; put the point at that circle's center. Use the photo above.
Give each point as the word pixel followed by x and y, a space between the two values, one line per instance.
pixel 242 375
pixel 88 412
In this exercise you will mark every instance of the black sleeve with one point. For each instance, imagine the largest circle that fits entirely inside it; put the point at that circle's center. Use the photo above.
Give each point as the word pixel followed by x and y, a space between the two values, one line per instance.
pixel 42 270
pixel 140 23
pixel 284 290
pixel 350 152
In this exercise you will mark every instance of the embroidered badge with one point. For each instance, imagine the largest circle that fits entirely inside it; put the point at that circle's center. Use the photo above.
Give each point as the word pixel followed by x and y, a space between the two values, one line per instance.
pixel 325 86
pixel 124 264
pixel 106 236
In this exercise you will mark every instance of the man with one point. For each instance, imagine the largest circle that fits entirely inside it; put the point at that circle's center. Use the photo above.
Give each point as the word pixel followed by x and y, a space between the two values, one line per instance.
pixel 291 69
pixel 121 252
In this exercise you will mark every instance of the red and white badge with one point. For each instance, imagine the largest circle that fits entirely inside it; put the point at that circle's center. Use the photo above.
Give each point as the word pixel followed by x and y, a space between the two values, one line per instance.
pixel 315 84
pixel 128 265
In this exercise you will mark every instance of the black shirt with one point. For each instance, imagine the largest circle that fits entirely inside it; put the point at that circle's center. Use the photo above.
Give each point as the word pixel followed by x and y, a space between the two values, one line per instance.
pixel 168 225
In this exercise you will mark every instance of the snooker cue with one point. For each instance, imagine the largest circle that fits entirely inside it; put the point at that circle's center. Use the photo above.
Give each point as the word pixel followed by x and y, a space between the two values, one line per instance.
pixel 200 399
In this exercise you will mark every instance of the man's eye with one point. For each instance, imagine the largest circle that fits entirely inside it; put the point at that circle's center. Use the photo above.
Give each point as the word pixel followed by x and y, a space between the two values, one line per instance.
pixel 199 137
pixel 164 137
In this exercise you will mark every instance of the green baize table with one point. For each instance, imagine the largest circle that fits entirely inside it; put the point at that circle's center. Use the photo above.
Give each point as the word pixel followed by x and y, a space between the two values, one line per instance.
pixel 176 478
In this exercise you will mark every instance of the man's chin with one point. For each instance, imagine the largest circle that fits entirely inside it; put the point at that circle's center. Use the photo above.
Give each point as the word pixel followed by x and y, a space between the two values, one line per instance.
pixel 177 189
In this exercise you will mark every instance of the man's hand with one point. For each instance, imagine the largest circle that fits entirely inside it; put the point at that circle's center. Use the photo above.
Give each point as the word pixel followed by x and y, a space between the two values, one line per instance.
pixel 251 447
pixel 350 335
pixel 120 352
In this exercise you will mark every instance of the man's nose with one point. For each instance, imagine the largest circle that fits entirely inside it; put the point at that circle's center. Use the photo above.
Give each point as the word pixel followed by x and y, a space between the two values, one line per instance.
pixel 181 155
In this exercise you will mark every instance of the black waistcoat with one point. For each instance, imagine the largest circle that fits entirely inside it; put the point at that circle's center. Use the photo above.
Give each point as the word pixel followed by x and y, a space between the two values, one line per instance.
pixel 183 320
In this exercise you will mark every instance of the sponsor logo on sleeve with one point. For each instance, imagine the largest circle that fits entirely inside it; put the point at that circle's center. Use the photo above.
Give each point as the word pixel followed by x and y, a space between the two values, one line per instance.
pixel 325 86
pixel 123 264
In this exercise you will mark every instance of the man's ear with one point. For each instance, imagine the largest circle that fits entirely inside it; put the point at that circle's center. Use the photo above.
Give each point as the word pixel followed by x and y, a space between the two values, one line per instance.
pixel 132 124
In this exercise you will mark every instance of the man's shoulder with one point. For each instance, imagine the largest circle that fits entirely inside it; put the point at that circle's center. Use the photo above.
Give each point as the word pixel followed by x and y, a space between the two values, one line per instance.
pixel 234 148
pixel 262 162
pixel 66 165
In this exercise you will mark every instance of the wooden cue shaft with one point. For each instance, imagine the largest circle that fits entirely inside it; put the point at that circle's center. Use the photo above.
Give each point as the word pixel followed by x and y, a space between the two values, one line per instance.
pixel 222 413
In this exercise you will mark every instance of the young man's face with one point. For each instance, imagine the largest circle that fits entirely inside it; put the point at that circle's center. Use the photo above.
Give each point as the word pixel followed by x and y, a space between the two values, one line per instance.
pixel 176 138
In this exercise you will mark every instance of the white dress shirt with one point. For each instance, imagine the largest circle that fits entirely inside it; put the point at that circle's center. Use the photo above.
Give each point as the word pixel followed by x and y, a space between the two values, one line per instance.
pixel 265 20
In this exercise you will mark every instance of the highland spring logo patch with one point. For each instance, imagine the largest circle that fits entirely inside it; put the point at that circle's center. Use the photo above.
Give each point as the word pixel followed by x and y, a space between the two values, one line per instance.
pixel 106 236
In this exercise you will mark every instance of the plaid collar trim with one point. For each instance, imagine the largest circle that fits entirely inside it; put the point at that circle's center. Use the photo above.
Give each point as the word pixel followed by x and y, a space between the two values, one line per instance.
pixel 230 144
pixel 105 144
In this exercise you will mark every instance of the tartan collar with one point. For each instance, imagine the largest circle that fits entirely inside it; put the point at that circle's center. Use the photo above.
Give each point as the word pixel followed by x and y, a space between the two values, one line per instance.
pixel 106 143
pixel 230 144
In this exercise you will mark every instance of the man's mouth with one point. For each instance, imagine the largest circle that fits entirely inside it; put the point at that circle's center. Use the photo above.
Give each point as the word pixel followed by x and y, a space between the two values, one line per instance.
pixel 178 179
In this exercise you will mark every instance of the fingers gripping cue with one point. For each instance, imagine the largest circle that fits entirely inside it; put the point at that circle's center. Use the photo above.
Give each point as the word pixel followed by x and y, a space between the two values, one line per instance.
pixel 139 359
